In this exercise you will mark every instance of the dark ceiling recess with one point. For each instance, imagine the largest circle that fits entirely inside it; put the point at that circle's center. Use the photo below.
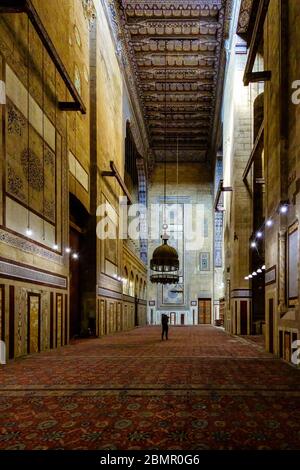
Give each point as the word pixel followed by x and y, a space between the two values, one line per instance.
pixel 185 37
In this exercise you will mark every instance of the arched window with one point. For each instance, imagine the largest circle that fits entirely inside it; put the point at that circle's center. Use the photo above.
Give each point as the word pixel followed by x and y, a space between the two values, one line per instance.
pixel 136 287
pixel 141 294
pixel 131 284
pixel 125 282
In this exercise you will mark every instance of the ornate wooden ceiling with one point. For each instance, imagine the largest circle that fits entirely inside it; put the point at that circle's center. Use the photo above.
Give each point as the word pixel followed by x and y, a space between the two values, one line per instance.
pixel 175 52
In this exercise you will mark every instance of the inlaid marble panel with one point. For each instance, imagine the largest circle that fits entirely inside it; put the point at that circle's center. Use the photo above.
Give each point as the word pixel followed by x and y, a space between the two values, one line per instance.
pixel 34 322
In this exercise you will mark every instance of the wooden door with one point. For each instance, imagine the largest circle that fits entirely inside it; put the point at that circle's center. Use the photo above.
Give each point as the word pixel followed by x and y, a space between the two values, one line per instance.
pixel 222 312
pixel 271 325
pixel 244 317
pixel 204 311
pixel 287 346
pixel 281 352
pixel 33 324
pixel 59 320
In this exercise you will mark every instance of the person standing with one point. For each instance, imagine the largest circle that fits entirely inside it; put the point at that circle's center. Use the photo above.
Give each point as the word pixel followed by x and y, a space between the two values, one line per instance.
pixel 165 326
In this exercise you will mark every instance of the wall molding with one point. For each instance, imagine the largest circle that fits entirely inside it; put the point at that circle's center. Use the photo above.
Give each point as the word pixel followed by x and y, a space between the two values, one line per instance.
pixel 22 272
pixel 241 294
pixel 101 292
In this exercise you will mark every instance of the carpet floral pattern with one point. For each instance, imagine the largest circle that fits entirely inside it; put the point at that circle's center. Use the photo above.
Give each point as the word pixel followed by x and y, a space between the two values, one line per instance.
pixel 203 389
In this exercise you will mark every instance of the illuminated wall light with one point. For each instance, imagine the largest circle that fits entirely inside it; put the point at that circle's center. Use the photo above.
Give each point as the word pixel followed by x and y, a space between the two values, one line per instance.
pixel 250 276
pixel 119 278
pixel 263 267
pixel 55 247
pixel 259 271
pixel 115 276
pixel 269 223
pixel 68 250
pixel 29 232
pixel 75 256
pixel 254 273
pixel 253 245
pixel 247 278
pixel 259 234
pixel 283 209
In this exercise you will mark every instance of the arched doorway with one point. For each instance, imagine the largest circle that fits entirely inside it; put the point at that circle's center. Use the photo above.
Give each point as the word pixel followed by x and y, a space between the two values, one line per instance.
pixel 77 246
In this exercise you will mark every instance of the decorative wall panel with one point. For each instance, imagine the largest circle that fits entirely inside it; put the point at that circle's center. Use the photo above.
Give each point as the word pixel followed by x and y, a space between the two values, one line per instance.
pixel 2 312
pixel 21 307
pixel 79 173
pixel 59 320
pixel 18 271
pixel 45 320
pixel 34 323
pixel 204 261
pixel 270 276
pixel 34 171
pixel 293 251
pixel 218 232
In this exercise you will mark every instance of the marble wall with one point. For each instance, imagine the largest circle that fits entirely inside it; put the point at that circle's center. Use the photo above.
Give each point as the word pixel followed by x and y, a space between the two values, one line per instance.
pixel 282 167
pixel 48 154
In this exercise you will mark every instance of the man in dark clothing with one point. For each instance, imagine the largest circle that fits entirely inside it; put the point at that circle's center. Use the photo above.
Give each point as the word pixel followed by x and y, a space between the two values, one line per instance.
pixel 165 326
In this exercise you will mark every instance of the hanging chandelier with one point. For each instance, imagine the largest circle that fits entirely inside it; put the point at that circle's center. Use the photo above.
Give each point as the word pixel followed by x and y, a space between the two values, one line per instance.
pixel 165 262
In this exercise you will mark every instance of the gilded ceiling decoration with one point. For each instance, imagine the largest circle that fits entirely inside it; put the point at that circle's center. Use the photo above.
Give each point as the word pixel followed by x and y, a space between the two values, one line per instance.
pixel 245 22
pixel 175 49
pixel 89 10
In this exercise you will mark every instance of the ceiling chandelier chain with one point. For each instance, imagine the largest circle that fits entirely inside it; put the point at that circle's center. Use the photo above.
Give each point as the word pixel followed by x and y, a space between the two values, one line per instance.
pixel 165 262
pixel 177 194
pixel 165 140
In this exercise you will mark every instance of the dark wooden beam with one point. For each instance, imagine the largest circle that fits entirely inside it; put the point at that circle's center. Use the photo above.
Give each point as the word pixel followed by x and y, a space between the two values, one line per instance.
pixel 26 6
pixel 257 149
pixel 69 106
pixel 220 190
pixel 12 6
pixel 114 173
pixel 263 76
pixel 256 39
pixel 197 93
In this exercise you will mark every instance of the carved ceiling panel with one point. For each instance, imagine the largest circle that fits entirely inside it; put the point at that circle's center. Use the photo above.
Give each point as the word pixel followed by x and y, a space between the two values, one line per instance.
pixel 175 49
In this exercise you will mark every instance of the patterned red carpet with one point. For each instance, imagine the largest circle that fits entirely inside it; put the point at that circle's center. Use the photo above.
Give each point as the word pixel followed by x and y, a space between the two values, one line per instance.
pixel 202 389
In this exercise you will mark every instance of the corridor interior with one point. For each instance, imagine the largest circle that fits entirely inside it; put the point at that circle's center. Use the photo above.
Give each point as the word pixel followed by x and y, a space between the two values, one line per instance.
pixel 202 389
pixel 149 168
